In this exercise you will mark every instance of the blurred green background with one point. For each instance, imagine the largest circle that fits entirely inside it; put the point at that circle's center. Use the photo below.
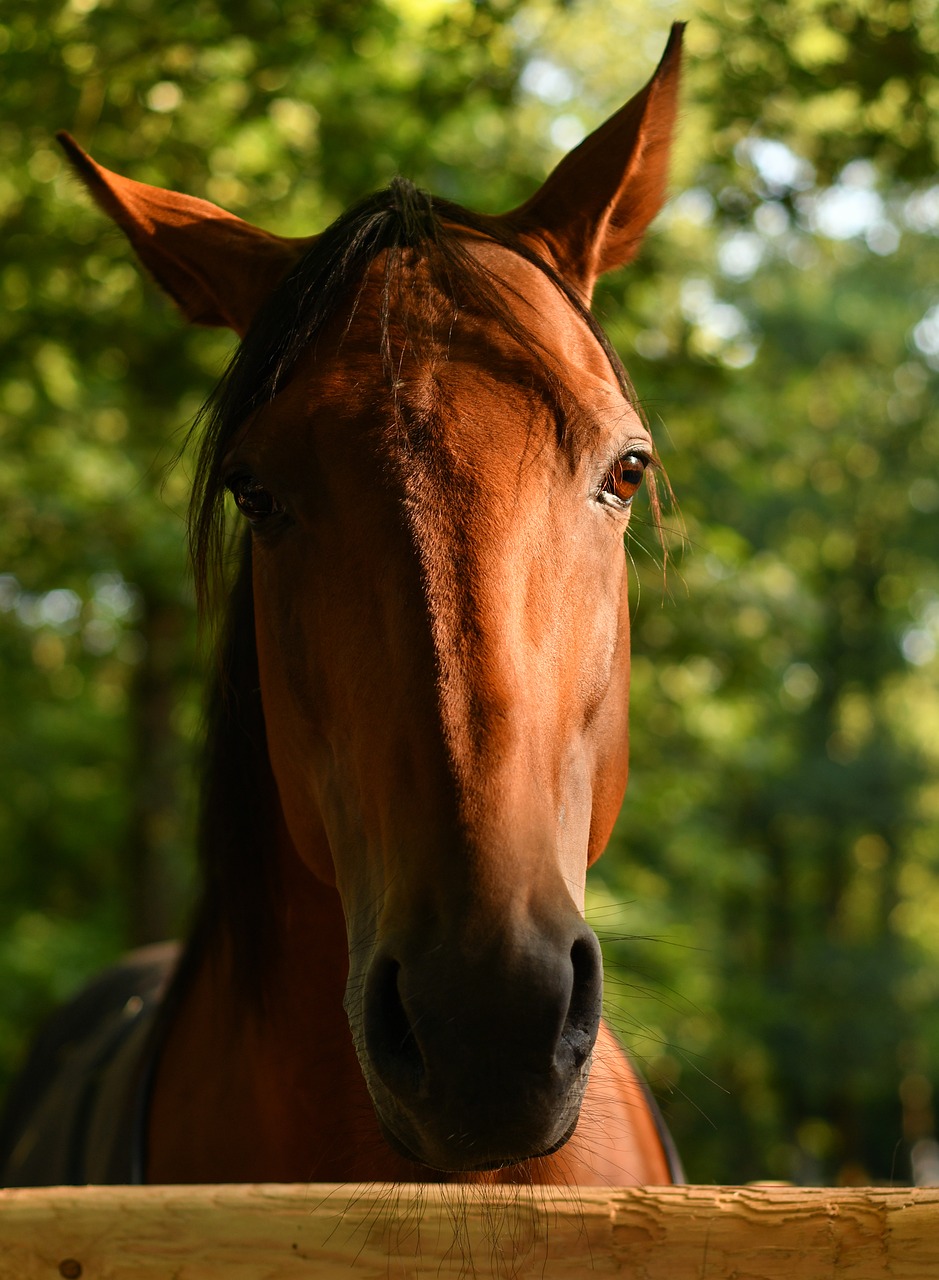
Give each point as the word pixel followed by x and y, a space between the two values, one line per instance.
pixel 771 902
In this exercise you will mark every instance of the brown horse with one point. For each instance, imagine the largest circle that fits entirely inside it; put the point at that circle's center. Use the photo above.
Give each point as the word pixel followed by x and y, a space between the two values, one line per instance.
pixel 418 742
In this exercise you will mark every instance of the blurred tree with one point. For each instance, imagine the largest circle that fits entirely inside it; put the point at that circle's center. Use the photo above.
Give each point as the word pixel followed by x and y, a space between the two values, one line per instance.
pixel 777 852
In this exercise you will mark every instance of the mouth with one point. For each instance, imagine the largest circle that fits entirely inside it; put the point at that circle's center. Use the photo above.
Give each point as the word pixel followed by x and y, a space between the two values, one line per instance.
pixel 480 1131
pixel 470 1165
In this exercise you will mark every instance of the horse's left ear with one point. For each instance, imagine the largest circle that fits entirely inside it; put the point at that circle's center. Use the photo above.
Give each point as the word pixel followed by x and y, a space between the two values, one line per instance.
pixel 591 213
pixel 216 267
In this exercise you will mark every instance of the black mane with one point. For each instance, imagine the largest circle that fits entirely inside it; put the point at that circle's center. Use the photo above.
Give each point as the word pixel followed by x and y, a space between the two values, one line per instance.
pixel 239 892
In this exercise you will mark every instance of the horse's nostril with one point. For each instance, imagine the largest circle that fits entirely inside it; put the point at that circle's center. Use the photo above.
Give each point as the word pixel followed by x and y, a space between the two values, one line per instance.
pixel 583 1014
pixel 480 1059
pixel 389 1037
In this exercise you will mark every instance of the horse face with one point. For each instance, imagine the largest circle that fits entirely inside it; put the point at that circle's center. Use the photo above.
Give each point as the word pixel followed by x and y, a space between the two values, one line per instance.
pixel 442 631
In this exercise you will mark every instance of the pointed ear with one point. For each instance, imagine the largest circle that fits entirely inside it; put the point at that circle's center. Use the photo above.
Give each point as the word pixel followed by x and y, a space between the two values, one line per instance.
pixel 592 212
pixel 217 268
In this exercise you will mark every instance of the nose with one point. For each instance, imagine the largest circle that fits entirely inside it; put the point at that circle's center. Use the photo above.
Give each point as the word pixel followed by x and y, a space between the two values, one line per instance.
pixel 478 1055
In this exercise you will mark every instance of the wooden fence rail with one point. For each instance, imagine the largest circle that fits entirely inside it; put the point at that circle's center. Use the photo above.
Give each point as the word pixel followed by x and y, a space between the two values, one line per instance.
pixel 281 1232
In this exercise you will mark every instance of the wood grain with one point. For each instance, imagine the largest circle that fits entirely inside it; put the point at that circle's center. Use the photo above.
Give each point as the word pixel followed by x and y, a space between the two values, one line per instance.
pixel 281 1232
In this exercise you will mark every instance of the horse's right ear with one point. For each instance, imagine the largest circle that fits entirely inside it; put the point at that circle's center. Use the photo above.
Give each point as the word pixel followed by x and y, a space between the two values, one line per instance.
pixel 217 268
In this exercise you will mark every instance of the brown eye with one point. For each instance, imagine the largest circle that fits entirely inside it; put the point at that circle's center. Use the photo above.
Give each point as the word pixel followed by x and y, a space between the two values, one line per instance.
pixel 253 501
pixel 624 478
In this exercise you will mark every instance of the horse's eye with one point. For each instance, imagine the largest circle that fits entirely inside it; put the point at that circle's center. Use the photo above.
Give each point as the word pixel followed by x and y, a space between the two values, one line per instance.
pixel 253 501
pixel 624 478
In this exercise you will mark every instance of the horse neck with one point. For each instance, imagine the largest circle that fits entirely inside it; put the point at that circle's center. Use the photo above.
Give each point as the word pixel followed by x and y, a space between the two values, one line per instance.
pixel 263 1084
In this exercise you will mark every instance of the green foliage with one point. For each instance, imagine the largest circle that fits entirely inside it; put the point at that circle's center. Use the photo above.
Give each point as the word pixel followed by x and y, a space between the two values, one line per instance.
pixel 771 895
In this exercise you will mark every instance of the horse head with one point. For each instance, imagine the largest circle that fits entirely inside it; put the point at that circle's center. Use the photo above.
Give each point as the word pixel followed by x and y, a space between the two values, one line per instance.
pixel 435 451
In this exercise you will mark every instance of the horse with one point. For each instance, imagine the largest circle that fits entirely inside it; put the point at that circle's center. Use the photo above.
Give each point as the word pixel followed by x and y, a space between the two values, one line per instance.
pixel 417 737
